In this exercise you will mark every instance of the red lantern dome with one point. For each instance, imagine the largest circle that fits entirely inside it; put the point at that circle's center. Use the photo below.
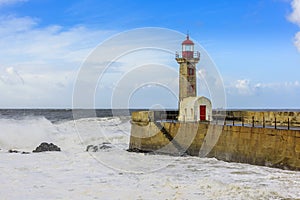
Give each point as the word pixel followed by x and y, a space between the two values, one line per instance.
pixel 187 41
pixel 187 48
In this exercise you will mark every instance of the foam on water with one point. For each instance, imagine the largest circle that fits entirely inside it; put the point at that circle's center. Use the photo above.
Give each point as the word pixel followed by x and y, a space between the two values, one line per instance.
pixel 117 174
pixel 28 132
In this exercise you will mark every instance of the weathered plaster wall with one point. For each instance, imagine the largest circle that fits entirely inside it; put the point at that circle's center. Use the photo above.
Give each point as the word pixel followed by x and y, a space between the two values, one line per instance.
pixel 190 111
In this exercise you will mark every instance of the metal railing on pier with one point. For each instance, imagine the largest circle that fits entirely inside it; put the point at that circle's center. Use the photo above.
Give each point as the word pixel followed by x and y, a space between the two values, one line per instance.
pixel 226 120
pixel 286 124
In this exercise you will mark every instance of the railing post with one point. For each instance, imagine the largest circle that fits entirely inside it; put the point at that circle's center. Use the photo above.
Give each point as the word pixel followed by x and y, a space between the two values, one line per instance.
pixel 263 121
pixel 288 123
pixel 252 121
pixel 275 123
pixel 233 121
pixel 243 121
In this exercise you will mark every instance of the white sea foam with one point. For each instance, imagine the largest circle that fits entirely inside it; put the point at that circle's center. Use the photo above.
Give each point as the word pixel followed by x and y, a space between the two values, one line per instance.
pixel 77 174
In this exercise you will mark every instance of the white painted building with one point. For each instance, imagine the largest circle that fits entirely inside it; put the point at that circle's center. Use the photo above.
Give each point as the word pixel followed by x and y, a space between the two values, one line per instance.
pixel 195 109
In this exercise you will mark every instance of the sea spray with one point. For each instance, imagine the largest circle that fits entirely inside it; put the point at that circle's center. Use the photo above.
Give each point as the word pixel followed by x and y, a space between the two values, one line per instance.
pixel 26 133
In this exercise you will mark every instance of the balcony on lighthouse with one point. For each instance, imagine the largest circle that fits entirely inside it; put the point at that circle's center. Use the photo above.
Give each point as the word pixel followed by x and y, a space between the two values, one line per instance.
pixel 188 50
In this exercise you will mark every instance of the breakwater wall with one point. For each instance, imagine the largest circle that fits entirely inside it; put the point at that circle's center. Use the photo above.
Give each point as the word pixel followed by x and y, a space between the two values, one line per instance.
pixel 254 145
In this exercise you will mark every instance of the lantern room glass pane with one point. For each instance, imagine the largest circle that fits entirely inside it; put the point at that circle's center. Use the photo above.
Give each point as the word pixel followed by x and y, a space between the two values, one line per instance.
pixel 188 48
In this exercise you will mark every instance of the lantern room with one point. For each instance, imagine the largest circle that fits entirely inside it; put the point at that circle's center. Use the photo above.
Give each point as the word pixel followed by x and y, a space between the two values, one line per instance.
pixel 187 48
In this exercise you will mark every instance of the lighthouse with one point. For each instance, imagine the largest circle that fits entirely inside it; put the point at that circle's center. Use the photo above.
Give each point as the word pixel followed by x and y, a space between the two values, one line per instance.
pixel 187 59
pixel 191 107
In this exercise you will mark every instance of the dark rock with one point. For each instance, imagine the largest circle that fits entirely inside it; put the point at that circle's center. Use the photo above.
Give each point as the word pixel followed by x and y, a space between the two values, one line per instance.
pixel 92 148
pixel 136 150
pixel 16 151
pixel 46 147
pixel 13 151
pixel 95 148
pixel 104 146
pixel 89 147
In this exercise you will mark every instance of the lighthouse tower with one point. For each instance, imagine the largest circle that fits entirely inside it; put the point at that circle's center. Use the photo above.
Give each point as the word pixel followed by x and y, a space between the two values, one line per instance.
pixel 191 107
pixel 187 59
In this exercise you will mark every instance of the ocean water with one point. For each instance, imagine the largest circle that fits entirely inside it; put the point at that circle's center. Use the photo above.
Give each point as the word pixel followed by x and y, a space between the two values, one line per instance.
pixel 115 173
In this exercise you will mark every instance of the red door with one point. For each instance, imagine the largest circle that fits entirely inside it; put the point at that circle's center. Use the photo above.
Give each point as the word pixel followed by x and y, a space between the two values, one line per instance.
pixel 202 113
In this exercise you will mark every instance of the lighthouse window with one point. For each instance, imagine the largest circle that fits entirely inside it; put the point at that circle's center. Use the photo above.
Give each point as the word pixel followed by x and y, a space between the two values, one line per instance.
pixel 191 71
pixel 191 89
pixel 188 48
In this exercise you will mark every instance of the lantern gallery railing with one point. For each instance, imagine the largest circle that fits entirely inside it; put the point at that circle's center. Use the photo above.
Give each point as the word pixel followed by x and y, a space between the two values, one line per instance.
pixel 188 54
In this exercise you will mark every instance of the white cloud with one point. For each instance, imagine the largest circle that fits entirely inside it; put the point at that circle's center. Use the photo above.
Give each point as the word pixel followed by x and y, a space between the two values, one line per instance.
pixel 295 18
pixel 11 24
pixel 11 77
pixel 7 2
pixel 10 70
pixel 38 65
pixel 247 94
pixel 297 40
pixel 243 87
pixel 295 15
pixel 20 37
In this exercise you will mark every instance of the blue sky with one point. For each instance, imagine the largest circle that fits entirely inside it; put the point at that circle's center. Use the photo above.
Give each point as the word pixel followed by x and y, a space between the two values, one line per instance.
pixel 254 44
